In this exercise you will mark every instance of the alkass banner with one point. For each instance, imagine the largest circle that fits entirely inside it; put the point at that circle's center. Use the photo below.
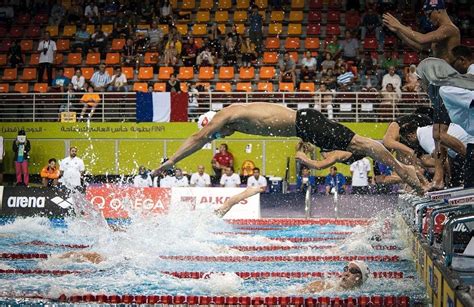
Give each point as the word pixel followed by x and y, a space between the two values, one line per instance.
pixel 198 197
pixel 119 202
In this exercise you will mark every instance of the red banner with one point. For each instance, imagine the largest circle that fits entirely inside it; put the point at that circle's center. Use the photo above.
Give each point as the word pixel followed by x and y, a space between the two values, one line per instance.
pixel 179 107
pixel 118 202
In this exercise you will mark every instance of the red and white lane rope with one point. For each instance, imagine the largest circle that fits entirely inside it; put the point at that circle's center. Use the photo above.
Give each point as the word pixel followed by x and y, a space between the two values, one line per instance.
pixel 299 222
pixel 282 258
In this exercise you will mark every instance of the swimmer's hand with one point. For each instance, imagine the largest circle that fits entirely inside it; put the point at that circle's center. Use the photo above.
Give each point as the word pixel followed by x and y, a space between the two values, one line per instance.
pixel 163 167
pixel 222 210
pixel 391 22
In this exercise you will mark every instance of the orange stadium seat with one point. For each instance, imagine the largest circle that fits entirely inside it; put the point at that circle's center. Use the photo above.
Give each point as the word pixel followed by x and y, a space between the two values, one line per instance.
pixel 203 16
pixel 145 73
pixel 4 87
pixel 21 88
pixel 262 4
pixel 87 72
pixel 315 4
pixel 267 72
pixel 221 27
pixel 265 87
pixel 29 74
pixel 389 41
pixel 270 57
pixel 69 72
pixel 93 58
pixel 26 45
pixel 5 46
pixel 226 73
pixel 206 4
pixel 297 4
pixel 165 72
pixel 313 29
pixel 224 4
pixel 112 58
pixel 410 58
pixel 275 29
pixel 23 19
pixel 16 32
pixel 63 45
pixel 292 43
pixel 174 4
pixel 33 31
pixel 199 29
pixel 333 17
pixel 184 87
pixel 307 87
pixel 34 59
pixel 272 43
pixel 240 16
pixel 182 29
pixel 247 73
pixel 333 30
pixel 296 16
pixel 222 17
pixel 223 87
pixel 244 87
pixel 240 28
pixel 159 87
pixel 294 56
pixel 74 59
pixel 41 19
pixel 188 5
pixel 370 43
pixel 277 16
pixel 69 30
pixel 286 87
pixel 314 17
pixel 109 70
pixel 294 29
pixel 117 44
pixel 206 85
pixel 40 87
pixel 129 72
pixel 140 87
pixel 58 59
pixel 90 29
pixel 186 73
pixel 312 43
pixel 352 20
pixel 108 29
pixel 53 30
pixel 151 58
pixel 206 73
pixel 10 74
pixel 164 28
pixel 3 59
pixel 243 4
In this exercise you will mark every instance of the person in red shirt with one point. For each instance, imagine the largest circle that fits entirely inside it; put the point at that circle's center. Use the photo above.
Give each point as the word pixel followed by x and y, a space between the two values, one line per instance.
pixel 221 160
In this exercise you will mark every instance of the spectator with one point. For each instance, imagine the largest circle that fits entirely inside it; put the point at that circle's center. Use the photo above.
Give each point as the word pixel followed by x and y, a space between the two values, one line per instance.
pixel 308 67
pixel 146 11
pixel 180 179
pixel 130 55
pixel 170 54
pixel 287 69
pixel 372 23
pixel 189 54
pixel 155 36
pixel 71 170
pixel 173 85
pixel 235 35
pixel 166 13
pixel 143 179
pixel 390 60
pixel 2 155
pixel 89 99
pixel 333 47
pixel 78 81
pixel 47 49
pixel 249 54
pixel 205 58
pixel 193 95
pixel 329 79
pixel 305 180
pixel 388 106
pixel 367 63
pixel 392 78
pixel 256 28
pixel 200 179
pixel 230 52
pixel 122 26
pixel 100 79
pixel 257 181
pixel 214 40
pixel 57 13
pixel 346 79
pixel 50 174
pixel 150 89
pixel 61 82
pixel 82 40
pixel 74 14
pixel 222 159
pixel 335 182
pixel 21 149
pixel 328 62
pixel 15 58
pixel 110 10
pixel 368 81
pixel 324 102
pixel 99 41
pixel 350 47
pixel 91 13
pixel 360 176
pixel 118 82
pixel 230 179
pixel 412 84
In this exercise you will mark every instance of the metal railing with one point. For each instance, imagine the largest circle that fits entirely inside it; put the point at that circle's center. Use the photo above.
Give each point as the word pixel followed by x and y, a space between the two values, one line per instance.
pixel 340 106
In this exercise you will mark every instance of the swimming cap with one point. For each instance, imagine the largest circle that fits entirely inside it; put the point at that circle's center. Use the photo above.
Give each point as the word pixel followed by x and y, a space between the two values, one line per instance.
pixel 364 269
pixel 433 5
pixel 205 119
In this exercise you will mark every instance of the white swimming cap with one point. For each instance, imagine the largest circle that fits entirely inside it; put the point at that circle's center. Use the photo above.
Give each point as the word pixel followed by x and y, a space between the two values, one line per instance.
pixel 364 269
pixel 205 119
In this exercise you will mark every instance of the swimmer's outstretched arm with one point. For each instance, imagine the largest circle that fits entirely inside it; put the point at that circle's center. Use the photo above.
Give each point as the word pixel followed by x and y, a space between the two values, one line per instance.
pixel 250 191
pixel 391 140
pixel 330 159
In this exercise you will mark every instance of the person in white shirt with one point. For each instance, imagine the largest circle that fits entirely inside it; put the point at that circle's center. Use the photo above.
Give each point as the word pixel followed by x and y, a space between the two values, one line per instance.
pixel 360 176
pixel 91 12
pixel 230 179
pixel 78 81
pixel 179 179
pixel 143 179
pixel 47 49
pixel 166 182
pixel 200 179
pixel 2 154
pixel 118 82
pixel 256 180
pixel 71 170
pixel 394 79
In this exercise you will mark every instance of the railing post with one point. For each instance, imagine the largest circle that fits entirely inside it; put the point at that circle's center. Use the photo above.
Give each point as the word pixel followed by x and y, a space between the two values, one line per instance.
pixel 210 99
pixel 103 107
pixel 357 107
pixel 307 202
pixel 34 107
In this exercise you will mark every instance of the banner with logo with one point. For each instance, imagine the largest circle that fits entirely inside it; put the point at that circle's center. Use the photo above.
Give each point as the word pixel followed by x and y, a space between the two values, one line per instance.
pixel 23 201
pixel 117 202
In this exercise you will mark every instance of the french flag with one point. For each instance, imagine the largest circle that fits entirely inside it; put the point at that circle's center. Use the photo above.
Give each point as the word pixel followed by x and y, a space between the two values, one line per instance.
pixel 162 107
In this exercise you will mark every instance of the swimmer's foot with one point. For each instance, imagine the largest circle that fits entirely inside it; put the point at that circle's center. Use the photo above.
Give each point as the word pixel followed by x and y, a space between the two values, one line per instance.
pixel 411 178
pixel 437 185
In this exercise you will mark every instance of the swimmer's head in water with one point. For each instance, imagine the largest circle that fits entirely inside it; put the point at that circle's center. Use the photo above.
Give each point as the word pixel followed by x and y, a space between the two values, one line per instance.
pixel 205 119
pixel 354 275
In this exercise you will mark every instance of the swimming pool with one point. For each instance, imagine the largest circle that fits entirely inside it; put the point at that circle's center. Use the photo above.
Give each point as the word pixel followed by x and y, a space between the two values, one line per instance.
pixel 194 257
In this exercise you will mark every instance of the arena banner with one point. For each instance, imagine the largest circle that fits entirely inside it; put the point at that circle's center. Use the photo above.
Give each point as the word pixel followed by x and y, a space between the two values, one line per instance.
pixel 25 201
pixel 118 202
pixel 215 197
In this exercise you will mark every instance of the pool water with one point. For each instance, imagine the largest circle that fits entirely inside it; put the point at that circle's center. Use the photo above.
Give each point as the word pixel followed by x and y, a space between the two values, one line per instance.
pixel 192 252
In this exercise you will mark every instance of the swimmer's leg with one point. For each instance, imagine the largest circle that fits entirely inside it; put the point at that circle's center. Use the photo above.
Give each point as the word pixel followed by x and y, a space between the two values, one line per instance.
pixel 377 151
pixel 250 191
pixel 83 256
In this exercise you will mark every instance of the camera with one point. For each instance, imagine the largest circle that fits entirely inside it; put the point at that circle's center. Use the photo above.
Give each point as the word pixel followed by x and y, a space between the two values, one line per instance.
pixel 45 50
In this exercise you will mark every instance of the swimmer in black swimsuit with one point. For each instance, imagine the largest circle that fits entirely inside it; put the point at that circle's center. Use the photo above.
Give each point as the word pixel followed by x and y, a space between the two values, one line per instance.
pixel 271 119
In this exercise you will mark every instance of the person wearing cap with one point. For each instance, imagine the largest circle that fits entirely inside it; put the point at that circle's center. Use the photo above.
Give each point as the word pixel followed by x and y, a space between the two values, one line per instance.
pixel 440 41
pixel 21 148
pixel 354 275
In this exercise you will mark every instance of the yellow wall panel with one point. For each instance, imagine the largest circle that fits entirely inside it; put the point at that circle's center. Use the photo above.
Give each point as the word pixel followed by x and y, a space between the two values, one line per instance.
pixel 134 153
pixel 98 156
